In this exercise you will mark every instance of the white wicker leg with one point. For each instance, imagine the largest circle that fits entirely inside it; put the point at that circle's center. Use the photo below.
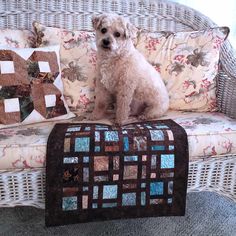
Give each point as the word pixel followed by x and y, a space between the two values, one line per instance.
pixel 22 187
pixel 27 187
pixel 215 174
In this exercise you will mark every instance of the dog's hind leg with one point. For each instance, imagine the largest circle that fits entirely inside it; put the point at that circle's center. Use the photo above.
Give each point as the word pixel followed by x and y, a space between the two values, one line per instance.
pixel 102 101
pixel 123 101
pixel 154 110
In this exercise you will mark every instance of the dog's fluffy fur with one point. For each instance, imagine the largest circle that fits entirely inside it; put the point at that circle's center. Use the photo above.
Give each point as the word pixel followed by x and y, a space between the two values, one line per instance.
pixel 124 73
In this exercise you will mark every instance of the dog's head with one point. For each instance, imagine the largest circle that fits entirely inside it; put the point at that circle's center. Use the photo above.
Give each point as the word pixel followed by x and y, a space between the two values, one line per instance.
pixel 112 32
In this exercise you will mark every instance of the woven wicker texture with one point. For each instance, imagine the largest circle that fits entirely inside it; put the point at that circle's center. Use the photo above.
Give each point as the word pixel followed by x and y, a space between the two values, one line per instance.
pixel 27 187
pixel 153 15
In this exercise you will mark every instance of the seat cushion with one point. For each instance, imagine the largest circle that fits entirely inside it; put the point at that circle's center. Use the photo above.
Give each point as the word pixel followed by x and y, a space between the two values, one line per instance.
pixel 209 134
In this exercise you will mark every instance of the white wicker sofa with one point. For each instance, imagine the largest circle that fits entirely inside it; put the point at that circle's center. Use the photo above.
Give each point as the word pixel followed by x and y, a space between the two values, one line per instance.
pixel 211 136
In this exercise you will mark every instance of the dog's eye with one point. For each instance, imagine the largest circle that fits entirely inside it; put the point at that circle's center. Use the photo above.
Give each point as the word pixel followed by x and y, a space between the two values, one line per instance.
pixel 117 34
pixel 103 30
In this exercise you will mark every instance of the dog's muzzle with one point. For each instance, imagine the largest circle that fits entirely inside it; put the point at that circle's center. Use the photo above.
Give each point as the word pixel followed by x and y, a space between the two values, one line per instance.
pixel 106 43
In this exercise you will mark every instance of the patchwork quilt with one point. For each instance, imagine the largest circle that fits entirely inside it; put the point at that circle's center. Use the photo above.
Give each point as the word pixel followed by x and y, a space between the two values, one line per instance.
pixel 101 172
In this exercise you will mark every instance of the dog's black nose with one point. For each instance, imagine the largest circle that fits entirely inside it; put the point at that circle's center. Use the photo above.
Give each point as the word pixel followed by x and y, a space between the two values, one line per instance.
pixel 106 42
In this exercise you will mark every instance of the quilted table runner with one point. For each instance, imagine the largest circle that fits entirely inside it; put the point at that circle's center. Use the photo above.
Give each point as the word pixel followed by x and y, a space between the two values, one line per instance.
pixel 101 172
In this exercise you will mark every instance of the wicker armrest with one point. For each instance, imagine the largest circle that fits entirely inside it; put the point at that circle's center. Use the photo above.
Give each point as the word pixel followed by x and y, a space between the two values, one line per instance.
pixel 152 15
pixel 226 81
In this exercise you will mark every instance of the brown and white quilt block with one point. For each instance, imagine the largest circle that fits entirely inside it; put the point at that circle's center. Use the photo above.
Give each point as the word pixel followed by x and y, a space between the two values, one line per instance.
pixel 30 86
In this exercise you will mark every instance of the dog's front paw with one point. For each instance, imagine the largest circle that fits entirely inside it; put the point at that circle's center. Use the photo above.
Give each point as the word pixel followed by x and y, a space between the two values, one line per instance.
pixel 118 122
pixel 96 115
pixel 142 117
pixel 148 116
pixel 91 116
pixel 121 121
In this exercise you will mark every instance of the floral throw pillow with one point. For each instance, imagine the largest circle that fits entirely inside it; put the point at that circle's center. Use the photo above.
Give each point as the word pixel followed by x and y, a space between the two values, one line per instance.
pixel 188 63
pixel 78 61
pixel 30 86
pixel 17 38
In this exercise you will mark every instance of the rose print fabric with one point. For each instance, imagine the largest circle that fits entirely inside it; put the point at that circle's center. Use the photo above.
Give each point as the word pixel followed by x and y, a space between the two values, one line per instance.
pixel 17 38
pixel 209 135
pixel 188 64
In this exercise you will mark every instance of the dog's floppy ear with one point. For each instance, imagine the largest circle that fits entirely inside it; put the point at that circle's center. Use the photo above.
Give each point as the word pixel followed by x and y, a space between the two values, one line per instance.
pixel 96 21
pixel 130 31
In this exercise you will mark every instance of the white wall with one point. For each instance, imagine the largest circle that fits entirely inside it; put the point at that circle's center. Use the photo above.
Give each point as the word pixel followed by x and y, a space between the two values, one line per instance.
pixel 223 13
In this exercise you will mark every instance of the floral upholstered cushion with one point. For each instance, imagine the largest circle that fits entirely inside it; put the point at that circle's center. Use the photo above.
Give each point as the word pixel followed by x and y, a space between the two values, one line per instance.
pixel 78 60
pixel 209 135
pixel 17 38
pixel 30 86
pixel 188 63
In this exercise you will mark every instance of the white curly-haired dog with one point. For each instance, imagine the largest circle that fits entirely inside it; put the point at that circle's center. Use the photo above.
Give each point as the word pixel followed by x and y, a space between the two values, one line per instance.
pixel 124 73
